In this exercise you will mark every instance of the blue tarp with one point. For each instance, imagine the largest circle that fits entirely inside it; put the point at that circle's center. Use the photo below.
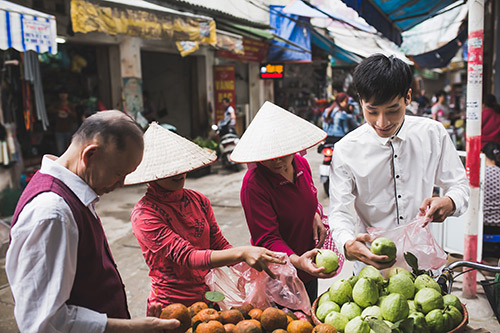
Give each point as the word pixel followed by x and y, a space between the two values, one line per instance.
pixel 394 16
pixel 290 30
pixel 441 57
pixel 335 51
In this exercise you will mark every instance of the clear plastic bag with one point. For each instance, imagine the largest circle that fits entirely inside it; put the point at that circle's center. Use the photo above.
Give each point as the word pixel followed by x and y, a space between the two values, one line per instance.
pixel 419 241
pixel 242 284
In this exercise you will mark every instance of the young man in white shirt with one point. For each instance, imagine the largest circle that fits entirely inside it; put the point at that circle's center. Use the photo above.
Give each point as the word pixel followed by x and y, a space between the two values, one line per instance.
pixel 388 167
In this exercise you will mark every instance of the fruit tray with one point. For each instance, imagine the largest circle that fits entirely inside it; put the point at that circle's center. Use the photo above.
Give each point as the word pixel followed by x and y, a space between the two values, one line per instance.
pixel 458 329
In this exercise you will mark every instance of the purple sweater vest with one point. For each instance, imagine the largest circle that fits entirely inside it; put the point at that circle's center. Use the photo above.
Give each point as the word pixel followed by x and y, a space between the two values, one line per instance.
pixel 97 285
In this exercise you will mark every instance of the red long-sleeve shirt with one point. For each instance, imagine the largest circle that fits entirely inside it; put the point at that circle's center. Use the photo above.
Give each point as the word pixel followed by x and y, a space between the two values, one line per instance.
pixel 177 232
pixel 279 213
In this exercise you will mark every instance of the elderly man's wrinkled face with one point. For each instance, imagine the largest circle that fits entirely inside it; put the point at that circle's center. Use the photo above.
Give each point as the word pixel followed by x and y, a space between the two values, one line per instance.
pixel 108 166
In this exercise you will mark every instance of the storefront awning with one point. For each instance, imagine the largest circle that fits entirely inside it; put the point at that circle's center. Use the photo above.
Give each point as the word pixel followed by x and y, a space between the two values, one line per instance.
pixel 393 17
pixel 26 29
pixel 141 19
pixel 364 44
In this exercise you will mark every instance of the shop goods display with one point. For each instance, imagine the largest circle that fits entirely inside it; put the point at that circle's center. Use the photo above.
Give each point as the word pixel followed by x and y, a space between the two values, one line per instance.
pixel 401 303
pixel 200 318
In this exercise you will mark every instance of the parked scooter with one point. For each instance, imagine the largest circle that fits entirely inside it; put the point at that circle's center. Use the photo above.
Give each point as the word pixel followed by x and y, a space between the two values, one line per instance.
pixel 324 168
pixel 227 141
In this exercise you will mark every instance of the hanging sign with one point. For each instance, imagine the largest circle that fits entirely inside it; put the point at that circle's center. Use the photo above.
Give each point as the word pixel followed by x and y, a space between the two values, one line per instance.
pixel 224 83
pixel 272 71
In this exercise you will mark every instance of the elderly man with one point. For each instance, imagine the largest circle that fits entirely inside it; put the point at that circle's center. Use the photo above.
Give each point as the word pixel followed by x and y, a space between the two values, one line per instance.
pixel 59 265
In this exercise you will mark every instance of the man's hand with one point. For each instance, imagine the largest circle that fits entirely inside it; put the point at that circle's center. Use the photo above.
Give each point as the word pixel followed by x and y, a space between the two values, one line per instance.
pixel 259 257
pixel 306 263
pixel 319 231
pixel 356 249
pixel 437 209
pixel 146 324
pixel 154 310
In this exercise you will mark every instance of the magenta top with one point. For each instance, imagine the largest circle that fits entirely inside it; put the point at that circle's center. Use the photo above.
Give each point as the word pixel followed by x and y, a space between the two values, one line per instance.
pixel 490 131
pixel 279 213
pixel 177 232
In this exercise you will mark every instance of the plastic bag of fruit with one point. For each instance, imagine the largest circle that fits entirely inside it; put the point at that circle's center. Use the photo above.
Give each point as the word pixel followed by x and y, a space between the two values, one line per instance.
pixel 242 284
pixel 418 240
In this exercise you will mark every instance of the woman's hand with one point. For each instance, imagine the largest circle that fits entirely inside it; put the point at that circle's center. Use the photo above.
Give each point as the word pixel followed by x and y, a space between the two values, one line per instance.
pixel 259 258
pixel 319 231
pixel 306 263
pixel 356 249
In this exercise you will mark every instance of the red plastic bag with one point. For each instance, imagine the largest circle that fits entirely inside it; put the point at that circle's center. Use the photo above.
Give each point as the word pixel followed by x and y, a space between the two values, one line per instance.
pixel 419 241
pixel 242 284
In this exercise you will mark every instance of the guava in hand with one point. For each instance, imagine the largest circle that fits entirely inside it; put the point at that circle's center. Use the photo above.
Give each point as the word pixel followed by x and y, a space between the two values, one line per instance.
pixel 327 259
pixel 383 246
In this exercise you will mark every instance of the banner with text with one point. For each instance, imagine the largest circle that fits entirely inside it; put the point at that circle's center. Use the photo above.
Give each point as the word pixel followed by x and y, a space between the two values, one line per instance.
pixel 224 83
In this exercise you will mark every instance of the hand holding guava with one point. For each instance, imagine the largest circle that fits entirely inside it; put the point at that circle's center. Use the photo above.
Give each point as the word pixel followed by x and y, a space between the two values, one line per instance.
pixel 356 249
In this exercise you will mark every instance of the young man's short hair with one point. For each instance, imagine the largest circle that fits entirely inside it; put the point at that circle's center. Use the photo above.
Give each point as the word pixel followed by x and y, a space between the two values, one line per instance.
pixel 379 79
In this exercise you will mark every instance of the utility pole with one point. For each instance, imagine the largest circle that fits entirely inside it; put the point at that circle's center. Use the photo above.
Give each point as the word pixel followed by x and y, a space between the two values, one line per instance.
pixel 473 132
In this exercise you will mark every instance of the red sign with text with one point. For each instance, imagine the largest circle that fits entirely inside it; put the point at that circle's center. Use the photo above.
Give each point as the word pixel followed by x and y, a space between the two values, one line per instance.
pixel 255 51
pixel 224 84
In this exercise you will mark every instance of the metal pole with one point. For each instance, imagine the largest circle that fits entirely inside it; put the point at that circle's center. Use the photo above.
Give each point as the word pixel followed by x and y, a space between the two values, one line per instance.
pixel 473 132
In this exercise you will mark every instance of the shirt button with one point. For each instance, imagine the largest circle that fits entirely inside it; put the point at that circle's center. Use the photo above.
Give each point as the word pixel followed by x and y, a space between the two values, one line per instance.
pixel 392 137
pixel 395 156
pixel 399 196
pixel 397 176
pixel 400 217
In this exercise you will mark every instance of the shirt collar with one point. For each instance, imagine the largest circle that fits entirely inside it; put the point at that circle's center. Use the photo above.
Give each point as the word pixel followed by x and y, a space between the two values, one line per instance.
pixel 277 179
pixel 77 185
pixel 400 134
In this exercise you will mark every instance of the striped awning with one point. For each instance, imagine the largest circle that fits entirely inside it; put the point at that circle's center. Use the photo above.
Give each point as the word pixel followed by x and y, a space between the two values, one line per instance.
pixel 26 29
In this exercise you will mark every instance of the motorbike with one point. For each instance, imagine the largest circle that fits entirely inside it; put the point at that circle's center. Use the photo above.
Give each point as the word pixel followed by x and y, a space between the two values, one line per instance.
pixel 324 168
pixel 227 141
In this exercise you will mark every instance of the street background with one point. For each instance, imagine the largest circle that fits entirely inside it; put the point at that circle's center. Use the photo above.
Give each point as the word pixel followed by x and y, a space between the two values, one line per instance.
pixel 222 187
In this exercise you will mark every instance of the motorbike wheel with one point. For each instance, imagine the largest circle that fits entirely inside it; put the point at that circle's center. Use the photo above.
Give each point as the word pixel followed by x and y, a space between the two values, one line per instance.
pixel 326 187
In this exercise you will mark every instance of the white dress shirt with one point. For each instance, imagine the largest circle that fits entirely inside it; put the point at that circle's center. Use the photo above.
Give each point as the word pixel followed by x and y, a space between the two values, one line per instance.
pixel 41 260
pixel 387 179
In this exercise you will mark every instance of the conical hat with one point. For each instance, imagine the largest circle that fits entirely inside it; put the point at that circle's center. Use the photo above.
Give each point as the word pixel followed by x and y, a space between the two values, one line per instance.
pixel 273 133
pixel 167 154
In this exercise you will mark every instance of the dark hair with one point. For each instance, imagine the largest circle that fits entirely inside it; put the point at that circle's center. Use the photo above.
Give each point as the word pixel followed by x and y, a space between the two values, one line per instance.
pixel 492 151
pixel 382 78
pixel 225 99
pixel 491 101
pixel 440 93
pixel 111 127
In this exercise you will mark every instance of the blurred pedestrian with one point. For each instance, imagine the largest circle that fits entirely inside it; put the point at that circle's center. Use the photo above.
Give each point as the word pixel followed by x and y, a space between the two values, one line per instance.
pixel 60 269
pixel 65 121
pixel 491 206
pixel 440 110
pixel 338 119
pixel 490 120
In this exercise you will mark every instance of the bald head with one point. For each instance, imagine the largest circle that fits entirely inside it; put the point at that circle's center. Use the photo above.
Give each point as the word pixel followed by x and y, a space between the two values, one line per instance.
pixel 110 128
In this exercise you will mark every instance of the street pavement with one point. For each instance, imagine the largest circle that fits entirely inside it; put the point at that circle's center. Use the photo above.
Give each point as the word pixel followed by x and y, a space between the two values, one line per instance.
pixel 222 187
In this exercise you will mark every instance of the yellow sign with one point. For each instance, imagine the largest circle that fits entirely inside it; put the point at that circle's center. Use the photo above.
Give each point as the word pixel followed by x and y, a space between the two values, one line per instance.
pixel 87 17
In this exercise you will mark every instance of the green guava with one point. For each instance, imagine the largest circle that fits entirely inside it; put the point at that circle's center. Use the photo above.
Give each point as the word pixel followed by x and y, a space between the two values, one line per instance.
pixel 371 272
pixel 428 299
pixel 383 246
pixel 401 284
pixel 373 311
pixel 395 307
pixel 350 310
pixel 436 321
pixel 337 320
pixel 425 281
pixel 340 292
pixel 365 292
pixel 325 308
pixel 452 300
pixel 327 259
pixel 357 325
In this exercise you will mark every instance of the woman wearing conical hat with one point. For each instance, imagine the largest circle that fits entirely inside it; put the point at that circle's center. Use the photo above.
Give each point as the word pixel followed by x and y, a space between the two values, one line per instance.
pixel 176 227
pixel 278 194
